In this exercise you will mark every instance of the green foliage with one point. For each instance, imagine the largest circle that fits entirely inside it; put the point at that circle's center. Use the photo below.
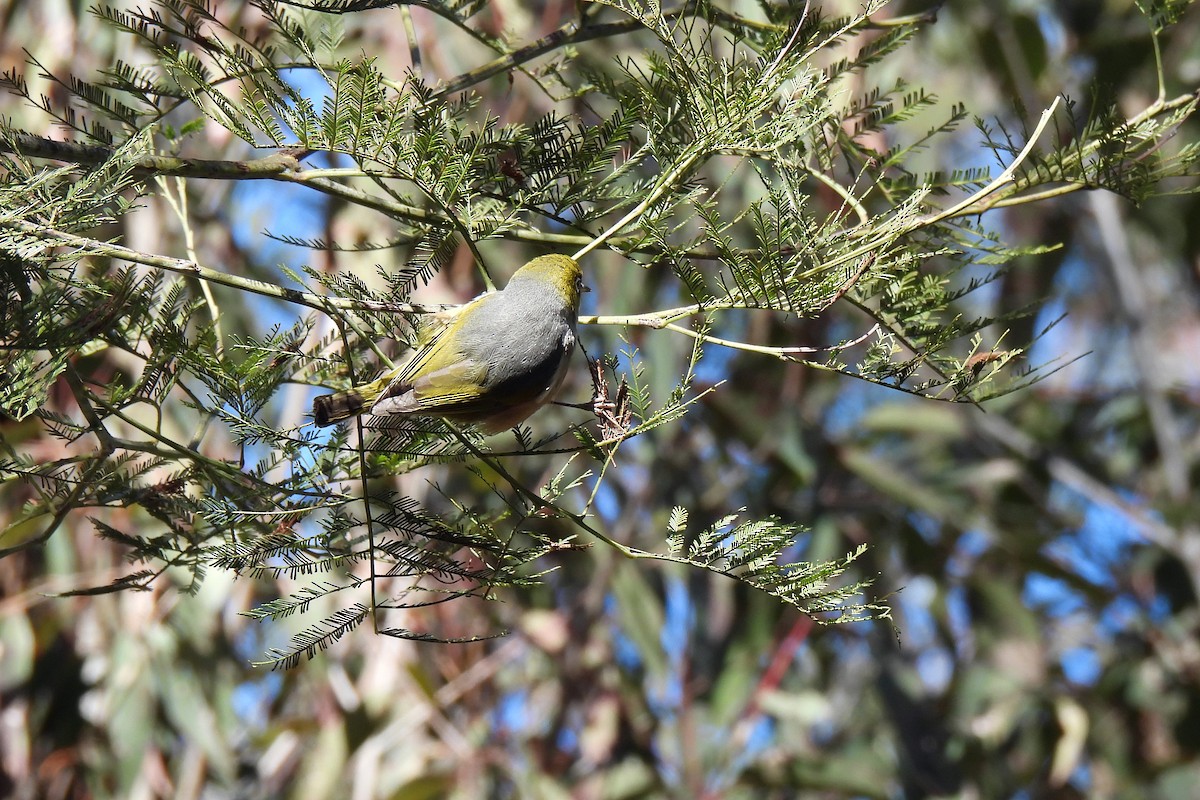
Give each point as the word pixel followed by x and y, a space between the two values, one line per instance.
pixel 750 552
pixel 644 171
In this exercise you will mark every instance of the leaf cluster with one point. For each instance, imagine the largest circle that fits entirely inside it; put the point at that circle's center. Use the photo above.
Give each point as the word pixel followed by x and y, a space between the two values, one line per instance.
pixel 738 161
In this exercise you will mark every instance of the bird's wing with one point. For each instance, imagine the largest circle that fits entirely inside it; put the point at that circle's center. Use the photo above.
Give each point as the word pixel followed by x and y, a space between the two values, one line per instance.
pixel 455 384
pixel 425 357
pixel 437 342
pixel 452 387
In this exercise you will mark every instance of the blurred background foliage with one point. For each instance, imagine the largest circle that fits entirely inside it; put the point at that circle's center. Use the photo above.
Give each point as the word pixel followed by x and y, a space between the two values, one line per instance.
pixel 1044 551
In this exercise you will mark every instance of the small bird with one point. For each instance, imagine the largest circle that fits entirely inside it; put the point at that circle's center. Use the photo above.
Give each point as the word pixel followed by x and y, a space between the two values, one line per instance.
pixel 490 363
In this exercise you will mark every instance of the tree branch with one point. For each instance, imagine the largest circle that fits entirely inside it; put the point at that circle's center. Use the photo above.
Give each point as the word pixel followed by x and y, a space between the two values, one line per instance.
pixel 51 237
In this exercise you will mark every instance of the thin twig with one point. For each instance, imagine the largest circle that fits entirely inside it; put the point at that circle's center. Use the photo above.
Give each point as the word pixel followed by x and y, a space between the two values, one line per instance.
pixel 1005 177
pixel 184 267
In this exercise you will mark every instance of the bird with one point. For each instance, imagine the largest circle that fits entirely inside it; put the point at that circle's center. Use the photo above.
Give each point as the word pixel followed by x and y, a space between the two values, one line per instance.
pixel 490 363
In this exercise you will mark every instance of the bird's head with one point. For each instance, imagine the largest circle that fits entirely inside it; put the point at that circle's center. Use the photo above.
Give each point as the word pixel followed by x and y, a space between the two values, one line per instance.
pixel 558 273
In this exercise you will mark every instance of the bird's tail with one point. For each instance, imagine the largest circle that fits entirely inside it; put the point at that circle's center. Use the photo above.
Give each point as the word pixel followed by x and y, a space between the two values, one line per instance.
pixel 330 408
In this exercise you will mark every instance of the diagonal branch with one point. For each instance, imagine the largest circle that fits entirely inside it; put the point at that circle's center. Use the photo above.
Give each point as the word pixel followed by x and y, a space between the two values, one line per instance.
pixel 51 237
